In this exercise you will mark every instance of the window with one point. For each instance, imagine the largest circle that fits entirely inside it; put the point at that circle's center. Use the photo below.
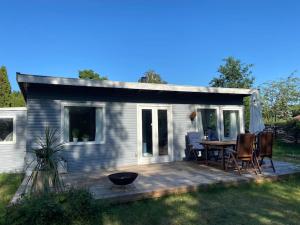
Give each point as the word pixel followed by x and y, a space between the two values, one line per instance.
pixel 83 124
pixel 207 122
pixel 231 124
pixel 6 130
pixel 220 122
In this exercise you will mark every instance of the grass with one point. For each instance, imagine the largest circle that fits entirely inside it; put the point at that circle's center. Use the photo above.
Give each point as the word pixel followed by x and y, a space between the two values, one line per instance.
pixel 267 203
pixel 9 184
pixel 289 152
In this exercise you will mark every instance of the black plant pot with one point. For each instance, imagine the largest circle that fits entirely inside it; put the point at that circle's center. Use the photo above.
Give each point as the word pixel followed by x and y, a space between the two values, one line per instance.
pixel 123 178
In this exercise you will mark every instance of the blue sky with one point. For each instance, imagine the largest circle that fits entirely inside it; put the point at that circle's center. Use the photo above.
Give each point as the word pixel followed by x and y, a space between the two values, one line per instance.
pixel 184 41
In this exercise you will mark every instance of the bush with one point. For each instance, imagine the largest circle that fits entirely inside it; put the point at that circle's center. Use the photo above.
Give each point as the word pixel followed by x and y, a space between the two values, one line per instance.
pixel 36 210
pixel 72 207
pixel 79 206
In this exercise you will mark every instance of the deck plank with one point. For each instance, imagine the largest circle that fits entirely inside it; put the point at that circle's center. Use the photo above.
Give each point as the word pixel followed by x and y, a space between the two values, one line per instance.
pixel 157 180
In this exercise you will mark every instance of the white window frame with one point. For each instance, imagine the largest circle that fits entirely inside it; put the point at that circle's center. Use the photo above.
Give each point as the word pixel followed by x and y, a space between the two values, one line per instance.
pixel 217 108
pixel 14 130
pixel 83 104
pixel 238 108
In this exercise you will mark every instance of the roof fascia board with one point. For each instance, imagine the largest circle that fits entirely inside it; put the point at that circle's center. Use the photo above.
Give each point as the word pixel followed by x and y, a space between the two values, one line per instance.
pixel 23 78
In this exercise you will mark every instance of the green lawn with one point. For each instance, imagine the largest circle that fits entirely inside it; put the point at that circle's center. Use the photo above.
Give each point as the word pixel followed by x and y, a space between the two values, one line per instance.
pixel 287 152
pixel 268 203
pixel 9 184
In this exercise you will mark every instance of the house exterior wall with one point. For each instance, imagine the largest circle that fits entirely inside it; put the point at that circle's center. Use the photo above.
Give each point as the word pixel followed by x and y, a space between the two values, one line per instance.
pixel 120 147
pixel 12 154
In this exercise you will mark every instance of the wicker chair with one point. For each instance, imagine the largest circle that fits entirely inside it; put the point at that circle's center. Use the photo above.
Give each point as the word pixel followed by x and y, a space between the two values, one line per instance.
pixel 243 153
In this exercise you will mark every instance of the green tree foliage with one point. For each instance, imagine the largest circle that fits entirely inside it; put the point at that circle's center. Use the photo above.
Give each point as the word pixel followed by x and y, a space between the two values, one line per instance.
pixel 151 76
pixel 7 97
pixel 17 99
pixel 280 98
pixel 5 89
pixel 90 74
pixel 234 74
pixel 295 110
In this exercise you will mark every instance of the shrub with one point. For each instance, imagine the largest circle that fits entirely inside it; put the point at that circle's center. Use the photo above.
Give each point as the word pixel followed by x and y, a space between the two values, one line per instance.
pixel 72 207
pixel 80 206
pixel 36 210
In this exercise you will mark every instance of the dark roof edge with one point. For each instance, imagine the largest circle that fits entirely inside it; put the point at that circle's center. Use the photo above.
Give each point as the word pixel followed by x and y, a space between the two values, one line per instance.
pixel 24 79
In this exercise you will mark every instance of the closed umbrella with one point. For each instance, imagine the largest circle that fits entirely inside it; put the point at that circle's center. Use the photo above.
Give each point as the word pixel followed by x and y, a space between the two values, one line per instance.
pixel 256 120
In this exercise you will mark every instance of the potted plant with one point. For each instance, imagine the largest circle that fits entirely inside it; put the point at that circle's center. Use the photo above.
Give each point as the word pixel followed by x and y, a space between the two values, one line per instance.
pixel 75 134
pixel 85 137
pixel 193 116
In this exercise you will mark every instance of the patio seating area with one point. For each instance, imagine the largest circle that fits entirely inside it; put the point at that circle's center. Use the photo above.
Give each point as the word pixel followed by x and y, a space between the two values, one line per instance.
pixel 156 180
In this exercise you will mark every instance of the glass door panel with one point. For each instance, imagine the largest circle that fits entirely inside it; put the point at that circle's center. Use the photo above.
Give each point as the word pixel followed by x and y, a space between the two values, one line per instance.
pixel 231 124
pixel 208 123
pixel 162 116
pixel 147 143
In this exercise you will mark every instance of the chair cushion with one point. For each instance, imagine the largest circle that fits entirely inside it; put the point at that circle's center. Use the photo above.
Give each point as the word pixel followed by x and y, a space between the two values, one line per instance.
pixel 197 146
pixel 194 139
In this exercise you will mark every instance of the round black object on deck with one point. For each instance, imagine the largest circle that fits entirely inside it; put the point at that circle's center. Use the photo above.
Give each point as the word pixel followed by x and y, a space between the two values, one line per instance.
pixel 123 178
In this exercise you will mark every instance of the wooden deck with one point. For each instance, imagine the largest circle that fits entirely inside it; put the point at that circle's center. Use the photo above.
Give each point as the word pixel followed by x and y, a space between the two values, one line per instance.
pixel 156 180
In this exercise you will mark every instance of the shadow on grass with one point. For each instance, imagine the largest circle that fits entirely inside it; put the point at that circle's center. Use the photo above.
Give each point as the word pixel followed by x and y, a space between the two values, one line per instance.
pixel 268 203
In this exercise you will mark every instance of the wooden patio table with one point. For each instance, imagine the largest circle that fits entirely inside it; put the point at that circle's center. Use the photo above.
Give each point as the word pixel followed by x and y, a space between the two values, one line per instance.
pixel 219 145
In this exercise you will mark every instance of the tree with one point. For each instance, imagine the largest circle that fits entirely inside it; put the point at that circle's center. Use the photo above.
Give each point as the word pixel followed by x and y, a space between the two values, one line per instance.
pixel 5 89
pixel 234 74
pixel 90 74
pixel 280 97
pixel 16 99
pixel 151 76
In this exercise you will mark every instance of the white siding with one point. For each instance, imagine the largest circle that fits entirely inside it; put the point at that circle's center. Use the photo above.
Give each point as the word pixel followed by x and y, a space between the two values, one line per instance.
pixel 12 155
pixel 120 134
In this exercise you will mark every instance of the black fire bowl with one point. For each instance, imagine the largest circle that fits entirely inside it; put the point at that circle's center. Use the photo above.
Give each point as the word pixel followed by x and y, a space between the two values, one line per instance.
pixel 123 178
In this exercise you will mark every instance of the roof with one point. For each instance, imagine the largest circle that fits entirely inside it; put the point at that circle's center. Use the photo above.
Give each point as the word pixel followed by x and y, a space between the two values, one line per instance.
pixel 24 79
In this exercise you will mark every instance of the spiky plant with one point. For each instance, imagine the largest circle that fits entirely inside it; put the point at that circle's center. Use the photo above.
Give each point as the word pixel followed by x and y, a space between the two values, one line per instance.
pixel 45 176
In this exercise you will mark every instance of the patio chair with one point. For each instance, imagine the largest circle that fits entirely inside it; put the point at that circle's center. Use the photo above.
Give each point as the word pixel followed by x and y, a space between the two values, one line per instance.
pixel 213 153
pixel 243 153
pixel 265 147
pixel 194 148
